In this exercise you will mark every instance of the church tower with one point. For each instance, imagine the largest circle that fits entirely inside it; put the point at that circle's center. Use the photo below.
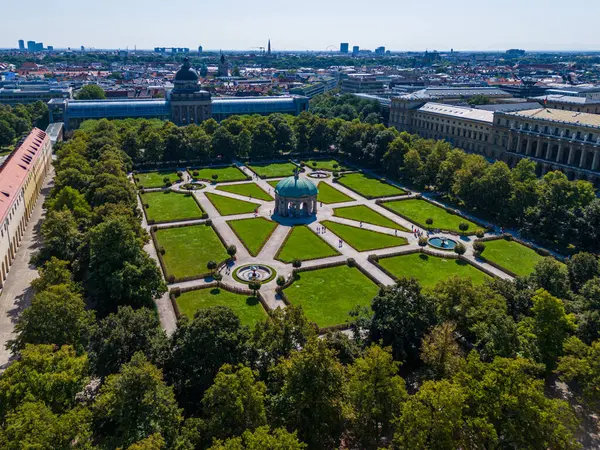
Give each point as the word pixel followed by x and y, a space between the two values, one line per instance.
pixel 223 70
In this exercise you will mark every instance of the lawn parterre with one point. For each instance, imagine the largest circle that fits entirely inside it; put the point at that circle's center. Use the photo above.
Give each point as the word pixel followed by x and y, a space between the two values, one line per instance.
pixel 511 255
pixel 362 213
pixel 224 174
pixel 369 187
pixel 253 232
pixel 326 165
pixel 188 249
pixel 273 182
pixel 363 240
pixel 273 170
pixel 165 206
pixel 228 206
pixel 328 195
pixel 247 190
pixel 327 295
pixel 429 270
pixel 304 244
pixel 248 309
pixel 155 179
pixel 418 211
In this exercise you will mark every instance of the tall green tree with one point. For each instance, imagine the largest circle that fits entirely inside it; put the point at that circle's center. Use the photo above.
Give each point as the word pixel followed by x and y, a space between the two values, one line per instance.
pixel 261 439
pixel 90 92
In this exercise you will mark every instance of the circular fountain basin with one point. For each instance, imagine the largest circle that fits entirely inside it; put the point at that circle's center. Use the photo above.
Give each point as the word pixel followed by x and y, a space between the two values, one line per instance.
pixel 318 174
pixel 193 186
pixel 442 243
pixel 254 272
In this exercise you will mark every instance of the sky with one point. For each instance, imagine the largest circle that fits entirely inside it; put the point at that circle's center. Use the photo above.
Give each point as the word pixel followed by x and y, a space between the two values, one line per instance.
pixel 305 25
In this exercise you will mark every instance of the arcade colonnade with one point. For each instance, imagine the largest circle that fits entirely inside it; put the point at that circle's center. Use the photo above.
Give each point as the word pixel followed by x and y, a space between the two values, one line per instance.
pixel 295 207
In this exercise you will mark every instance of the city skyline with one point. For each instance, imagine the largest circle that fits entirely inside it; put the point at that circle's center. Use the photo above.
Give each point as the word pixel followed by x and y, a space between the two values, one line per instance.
pixel 463 25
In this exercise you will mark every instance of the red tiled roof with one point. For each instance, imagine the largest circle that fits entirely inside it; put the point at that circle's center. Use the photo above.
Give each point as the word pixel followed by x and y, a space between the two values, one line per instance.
pixel 16 167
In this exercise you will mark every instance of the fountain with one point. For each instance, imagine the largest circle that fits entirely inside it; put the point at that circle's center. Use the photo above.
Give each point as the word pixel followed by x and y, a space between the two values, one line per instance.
pixel 254 272
pixel 442 243
pixel 318 174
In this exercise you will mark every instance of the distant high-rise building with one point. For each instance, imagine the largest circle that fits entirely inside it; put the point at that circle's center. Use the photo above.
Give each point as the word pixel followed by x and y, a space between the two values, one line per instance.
pixel 39 46
pixel 344 47
pixel 31 46
pixel 21 44
pixel 200 49
pixel 50 48
pixel 380 51
pixel 355 50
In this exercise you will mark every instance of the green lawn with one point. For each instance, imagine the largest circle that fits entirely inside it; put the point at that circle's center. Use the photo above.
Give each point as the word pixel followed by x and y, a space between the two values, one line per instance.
pixel 274 170
pixel 368 186
pixel 228 206
pixel 363 240
pixel 248 309
pixel 155 179
pixel 304 244
pixel 328 194
pixel 224 174
pixel 327 295
pixel 246 189
pixel 189 249
pixel 326 165
pixel 273 182
pixel 428 270
pixel 418 211
pixel 362 213
pixel 511 255
pixel 170 206
pixel 253 232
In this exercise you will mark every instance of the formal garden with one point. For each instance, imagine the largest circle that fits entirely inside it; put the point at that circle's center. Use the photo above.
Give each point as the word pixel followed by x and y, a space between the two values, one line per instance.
pixel 166 206
pixel 329 195
pixel 273 170
pixel 150 180
pixel 218 174
pixel 248 309
pixel 362 239
pixel 512 256
pixel 331 165
pixel 368 186
pixel 304 244
pixel 250 190
pixel 328 295
pixel 362 213
pixel 228 206
pixel 253 232
pixel 419 211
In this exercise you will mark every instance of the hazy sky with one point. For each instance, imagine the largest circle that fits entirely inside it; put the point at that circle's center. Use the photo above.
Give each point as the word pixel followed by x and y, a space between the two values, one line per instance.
pixel 306 24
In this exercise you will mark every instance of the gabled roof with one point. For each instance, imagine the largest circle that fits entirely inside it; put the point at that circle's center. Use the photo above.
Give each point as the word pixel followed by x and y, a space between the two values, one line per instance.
pixel 13 172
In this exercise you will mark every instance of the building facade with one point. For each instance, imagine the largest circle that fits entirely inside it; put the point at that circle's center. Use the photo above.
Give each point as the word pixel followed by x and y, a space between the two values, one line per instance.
pixel 21 179
pixel 188 103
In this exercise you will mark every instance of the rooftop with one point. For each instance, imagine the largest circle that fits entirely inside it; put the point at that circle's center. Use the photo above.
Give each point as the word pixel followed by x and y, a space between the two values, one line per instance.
pixel 568 99
pixel 296 187
pixel 16 167
pixel 562 116
pixel 461 112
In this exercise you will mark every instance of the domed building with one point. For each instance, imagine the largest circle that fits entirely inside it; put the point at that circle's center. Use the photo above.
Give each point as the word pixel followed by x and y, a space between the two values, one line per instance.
pixel 296 197
pixel 189 104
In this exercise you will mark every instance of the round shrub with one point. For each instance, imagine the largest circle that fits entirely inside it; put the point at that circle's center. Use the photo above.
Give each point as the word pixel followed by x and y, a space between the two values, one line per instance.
pixel 296 262
pixel 422 241
pixel 460 249
pixel 479 247
pixel 351 262
pixel 162 250
pixel 179 173
pixel 374 258
pixel 280 280
pixel 542 252
pixel 195 173
pixel 480 233
pixel 463 226
pixel 171 278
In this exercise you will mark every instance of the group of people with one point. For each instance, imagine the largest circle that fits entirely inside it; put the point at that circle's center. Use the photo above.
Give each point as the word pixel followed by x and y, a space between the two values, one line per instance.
pixel 418 233
pixel 321 229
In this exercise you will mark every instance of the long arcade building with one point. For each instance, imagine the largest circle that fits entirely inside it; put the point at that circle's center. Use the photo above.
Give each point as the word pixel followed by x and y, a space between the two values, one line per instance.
pixel 555 139
pixel 21 179
pixel 187 103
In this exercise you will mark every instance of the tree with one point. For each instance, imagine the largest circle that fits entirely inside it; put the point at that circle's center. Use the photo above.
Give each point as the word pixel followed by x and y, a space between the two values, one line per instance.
pixel 7 134
pixel 122 334
pixel 422 241
pixel 254 286
pixel 581 364
pixel 376 393
pixel 285 331
pixel 134 404
pixel 34 425
pixel 61 236
pixel 551 326
pixel 261 439
pixel 234 403
pixel 463 226
pixel 44 373
pixel 199 347
pixel 56 316
pixel 54 272
pixel 429 222
pixel 312 398
pixel 432 418
pixel 90 92
pixel 582 267
pixel 120 271
pixel 479 100
pixel 211 265
pixel 505 400
pixel 460 249
pixel 440 350
pixel 551 275
pixel 478 247
pixel 402 314
pixel 231 250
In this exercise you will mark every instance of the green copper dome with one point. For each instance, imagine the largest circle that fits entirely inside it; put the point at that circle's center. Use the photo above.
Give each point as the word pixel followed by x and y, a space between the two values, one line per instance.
pixel 296 187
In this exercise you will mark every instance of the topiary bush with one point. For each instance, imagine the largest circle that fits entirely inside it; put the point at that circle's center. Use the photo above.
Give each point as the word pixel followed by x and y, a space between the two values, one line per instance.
pixel 480 233
pixel 478 247
pixel 296 262
pixel 460 249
